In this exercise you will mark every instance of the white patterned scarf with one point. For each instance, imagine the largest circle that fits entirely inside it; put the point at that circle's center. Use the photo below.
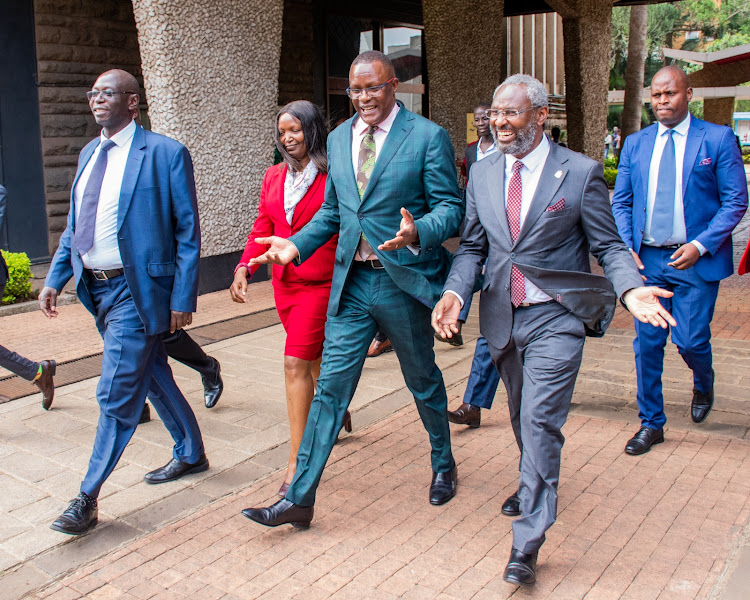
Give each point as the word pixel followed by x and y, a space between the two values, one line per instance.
pixel 296 186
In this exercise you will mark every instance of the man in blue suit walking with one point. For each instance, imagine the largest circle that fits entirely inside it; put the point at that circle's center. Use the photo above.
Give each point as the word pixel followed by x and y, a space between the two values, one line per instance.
pixel 390 172
pixel 133 244
pixel 680 192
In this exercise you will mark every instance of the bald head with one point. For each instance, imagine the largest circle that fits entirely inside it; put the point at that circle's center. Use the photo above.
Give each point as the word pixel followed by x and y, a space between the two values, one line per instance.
pixel 125 81
pixel 670 95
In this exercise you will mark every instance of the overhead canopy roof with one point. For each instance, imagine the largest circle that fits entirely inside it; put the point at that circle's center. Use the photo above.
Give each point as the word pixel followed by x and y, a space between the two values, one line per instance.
pixel 720 57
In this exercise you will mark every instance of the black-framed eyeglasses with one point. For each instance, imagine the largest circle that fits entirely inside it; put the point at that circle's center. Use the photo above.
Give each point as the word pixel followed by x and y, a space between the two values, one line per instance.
pixel 108 94
pixel 375 90
pixel 494 113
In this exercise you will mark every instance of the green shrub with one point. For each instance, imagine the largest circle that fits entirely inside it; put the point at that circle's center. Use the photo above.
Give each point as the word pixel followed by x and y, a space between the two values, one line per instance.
pixel 746 159
pixel 19 277
pixel 610 175
pixel 611 162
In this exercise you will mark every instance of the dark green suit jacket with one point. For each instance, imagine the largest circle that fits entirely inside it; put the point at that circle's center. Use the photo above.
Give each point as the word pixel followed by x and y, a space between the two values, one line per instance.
pixel 415 170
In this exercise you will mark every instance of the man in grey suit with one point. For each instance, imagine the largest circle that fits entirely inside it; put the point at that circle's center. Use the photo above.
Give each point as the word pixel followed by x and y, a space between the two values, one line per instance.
pixel 534 211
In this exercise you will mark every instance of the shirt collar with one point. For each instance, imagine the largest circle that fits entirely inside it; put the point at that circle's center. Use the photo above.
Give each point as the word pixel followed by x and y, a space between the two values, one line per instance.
pixel 123 136
pixel 360 127
pixel 681 128
pixel 534 158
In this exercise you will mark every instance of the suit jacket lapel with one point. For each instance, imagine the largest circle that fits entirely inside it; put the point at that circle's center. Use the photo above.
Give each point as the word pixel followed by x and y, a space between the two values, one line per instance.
pixel 402 126
pixel 495 185
pixel 692 145
pixel 647 151
pixel 130 176
pixel 553 174
pixel 301 207
pixel 86 154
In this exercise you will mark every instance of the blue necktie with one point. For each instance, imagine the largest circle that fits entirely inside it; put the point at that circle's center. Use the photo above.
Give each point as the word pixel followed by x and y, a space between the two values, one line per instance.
pixel 662 218
pixel 84 234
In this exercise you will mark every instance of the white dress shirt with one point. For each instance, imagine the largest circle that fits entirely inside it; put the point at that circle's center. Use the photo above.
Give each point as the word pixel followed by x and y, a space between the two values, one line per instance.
pixel 533 165
pixel 359 129
pixel 679 232
pixel 105 253
pixel 491 150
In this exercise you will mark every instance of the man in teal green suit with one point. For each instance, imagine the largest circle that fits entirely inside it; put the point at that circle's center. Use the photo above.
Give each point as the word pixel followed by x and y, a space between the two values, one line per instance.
pixel 389 171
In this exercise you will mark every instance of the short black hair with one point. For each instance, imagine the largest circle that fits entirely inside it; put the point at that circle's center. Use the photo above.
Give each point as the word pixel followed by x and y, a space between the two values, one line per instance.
pixel 314 130
pixel 372 56
pixel 483 105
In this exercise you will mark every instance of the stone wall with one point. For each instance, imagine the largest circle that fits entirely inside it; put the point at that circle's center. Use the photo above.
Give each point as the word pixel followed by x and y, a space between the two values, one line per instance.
pixel 211 75
pixel 464 60
pixel 76 40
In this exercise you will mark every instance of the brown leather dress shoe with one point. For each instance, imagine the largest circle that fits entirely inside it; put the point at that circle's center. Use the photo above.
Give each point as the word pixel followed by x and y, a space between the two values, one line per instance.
pixel 377 348
pixel 466 414
pixel 46 382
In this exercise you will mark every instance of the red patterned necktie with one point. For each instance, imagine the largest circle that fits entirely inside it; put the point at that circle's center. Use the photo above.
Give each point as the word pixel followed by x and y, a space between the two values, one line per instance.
pixel 513 209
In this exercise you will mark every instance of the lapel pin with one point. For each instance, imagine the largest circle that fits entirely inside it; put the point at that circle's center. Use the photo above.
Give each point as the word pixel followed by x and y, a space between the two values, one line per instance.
pixel 558 175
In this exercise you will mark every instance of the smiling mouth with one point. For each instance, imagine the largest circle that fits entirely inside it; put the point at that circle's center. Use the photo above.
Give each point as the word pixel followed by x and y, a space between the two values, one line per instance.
pixel 504 134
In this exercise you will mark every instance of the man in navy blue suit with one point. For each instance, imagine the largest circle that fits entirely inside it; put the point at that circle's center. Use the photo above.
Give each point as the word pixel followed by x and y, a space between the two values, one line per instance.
pixel 133 244
pixel 680 192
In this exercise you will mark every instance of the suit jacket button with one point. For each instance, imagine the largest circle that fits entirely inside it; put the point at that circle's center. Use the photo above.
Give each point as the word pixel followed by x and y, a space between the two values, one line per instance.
pixel 507 287
pixel 512 254
pixel 361 216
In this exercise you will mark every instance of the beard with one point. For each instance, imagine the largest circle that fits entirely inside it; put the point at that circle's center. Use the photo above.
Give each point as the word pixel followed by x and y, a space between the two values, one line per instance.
pixel 523 143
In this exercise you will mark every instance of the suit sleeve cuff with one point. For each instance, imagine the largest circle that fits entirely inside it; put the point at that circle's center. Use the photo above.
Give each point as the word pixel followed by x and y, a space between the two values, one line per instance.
pixel 461 300
pixel 701 247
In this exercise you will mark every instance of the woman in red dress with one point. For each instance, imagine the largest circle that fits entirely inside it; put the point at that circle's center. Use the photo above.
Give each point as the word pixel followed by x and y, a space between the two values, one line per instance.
pixel 291 194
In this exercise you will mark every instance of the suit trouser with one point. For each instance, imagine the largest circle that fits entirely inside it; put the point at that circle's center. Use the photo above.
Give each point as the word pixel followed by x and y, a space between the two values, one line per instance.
pixel 133 363
pixel 371 299
pixel 539 366
pixel 181 347
pixel 692 306
pixel 20 365
pixel 484 378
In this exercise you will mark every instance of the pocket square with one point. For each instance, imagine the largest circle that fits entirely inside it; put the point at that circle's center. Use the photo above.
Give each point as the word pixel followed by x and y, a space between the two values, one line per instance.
pixel 559 205
pixel 705 161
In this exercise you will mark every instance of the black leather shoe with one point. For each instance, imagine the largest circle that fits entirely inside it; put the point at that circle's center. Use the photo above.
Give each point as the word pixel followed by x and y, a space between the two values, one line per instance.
pixel 46 383
pixel 521 568
pixel 512 506
pixel 80 516
pixel 145 414
pixel 175 469
pixel 213 386
pixel 443 486
pixel 642 441
pixel 281 513
pixel 702 403
pixel 466 414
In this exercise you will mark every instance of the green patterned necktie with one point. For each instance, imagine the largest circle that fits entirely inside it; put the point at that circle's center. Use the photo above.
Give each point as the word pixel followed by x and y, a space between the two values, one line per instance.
pixel 366 160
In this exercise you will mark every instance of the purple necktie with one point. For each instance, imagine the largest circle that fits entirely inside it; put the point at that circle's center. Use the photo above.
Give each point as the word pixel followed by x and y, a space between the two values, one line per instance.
pixel 84 234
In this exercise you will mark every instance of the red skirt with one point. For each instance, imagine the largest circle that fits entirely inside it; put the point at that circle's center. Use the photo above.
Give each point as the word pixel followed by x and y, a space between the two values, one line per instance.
pixel 302 310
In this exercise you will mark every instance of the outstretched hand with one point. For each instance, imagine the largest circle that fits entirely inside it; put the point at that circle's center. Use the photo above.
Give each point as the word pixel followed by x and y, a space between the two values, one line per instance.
pixel 445 316
pixel 406 236
pixel 643 303
pixel 281 251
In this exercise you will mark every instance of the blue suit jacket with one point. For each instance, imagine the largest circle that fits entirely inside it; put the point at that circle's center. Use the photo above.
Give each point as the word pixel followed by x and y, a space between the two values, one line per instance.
pixel 158 231
pixel 714 192
pixel 415 169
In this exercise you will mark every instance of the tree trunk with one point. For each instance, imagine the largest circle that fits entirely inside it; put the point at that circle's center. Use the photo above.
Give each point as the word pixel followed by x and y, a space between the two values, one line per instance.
pixel 634 73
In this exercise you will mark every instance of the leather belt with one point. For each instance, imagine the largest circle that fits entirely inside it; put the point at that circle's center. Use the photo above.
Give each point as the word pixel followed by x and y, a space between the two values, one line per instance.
pixel 672 247
pixel 529 304
pixel 104 274
pixel 370 264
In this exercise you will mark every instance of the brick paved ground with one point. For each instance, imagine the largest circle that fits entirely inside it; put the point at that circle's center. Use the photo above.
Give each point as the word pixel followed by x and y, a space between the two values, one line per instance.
pixel 660 525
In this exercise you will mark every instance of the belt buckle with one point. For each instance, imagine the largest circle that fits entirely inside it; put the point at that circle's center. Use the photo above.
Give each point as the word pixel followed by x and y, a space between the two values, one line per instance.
pixel 99 275
pixel 374 266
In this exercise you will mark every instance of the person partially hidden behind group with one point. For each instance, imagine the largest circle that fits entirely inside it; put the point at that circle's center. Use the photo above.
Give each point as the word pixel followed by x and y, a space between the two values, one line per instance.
pixel 291 194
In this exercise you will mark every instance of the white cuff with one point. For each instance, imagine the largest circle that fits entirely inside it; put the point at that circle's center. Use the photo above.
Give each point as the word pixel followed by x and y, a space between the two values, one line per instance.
pixel 461 300
pixel 701 247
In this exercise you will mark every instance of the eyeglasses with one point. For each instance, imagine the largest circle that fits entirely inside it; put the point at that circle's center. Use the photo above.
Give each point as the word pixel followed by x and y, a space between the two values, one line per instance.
pixel 375 90
pixel 108 94
pixel 508 114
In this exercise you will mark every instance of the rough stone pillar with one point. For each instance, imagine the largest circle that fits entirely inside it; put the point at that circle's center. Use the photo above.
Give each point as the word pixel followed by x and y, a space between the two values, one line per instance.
pixel 587 27
pixel 464 60
pixel 210 70
pixel 718 110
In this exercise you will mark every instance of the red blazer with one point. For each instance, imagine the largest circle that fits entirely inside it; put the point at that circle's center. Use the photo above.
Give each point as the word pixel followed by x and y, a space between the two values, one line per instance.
pixel 272 221
pixel 745 260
